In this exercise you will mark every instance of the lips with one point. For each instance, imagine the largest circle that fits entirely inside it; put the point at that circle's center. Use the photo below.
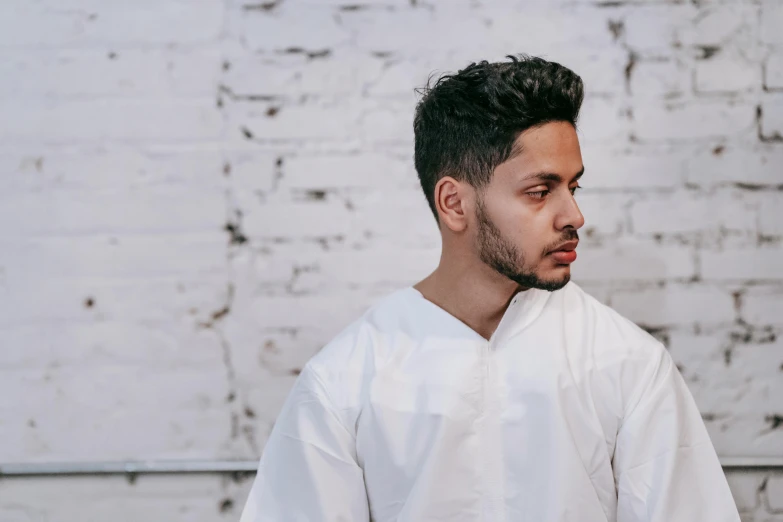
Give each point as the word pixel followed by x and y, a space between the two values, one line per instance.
pixel 564 256
pixel 566 247
pixel 565 253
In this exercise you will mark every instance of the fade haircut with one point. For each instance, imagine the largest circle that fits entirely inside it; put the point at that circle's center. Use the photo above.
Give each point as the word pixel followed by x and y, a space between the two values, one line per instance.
pixel 466 123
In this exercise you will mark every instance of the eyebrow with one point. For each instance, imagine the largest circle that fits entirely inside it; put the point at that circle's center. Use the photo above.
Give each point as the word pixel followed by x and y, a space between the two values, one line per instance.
pixel 551 176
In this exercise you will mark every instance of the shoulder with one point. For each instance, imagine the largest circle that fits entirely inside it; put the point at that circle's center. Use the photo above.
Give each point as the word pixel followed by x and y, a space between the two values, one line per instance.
pixel 351 346
pixel 353 354
pixel 623 356
pixel 604 329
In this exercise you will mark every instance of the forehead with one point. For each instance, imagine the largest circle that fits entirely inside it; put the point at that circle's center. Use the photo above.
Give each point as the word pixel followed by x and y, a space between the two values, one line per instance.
pixel 552 147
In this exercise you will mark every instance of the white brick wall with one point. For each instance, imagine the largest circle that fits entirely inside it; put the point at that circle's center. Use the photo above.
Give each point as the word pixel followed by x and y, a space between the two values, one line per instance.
pixel 196 196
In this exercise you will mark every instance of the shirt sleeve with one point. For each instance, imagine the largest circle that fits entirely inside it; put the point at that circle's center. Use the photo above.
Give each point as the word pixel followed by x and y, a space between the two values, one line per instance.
pixel 665 466
pixel 308 469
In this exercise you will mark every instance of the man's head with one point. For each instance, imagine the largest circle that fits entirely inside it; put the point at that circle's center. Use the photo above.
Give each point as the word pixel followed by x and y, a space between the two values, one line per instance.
pixel 498 159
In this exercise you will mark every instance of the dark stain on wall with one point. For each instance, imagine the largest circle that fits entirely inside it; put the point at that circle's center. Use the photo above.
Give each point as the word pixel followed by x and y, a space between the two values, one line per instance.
pixel 221 313
pixel 630 64
pixel 727 353
pixel 239 477
pixel 316 195
pixel 311 53
pixel 234 425
pixel 750 334
pixel 226 505
pixel 235 233
pixel 757 186
pixel 708 51
pixel 323 53
pixel 616 27
pixel 775 421
pixel 660 333
pixel 763 137
pixel 264 6
pixel 250 434
pixel 737 298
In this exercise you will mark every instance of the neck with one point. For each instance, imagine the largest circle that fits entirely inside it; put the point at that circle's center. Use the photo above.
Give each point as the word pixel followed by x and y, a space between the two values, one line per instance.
pixel 469 290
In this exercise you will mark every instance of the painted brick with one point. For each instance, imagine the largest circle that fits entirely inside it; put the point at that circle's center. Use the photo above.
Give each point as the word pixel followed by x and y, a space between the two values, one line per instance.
pixel 100 23
pixel 737 163
pixel 631 260
pixel 715 26
pixel 738 265
pixel 703 119
pixel 772 118
pixel 371 171
pixel 654 29
pixel 310 29
pixel 95 120
pixel 761 306
pixel 727 75
pixel 770 222
pixel 676 305
pixel 106 72
pixel 684 213
pixel 610 168
pixel 667 77
pixel 771 22
pixel 773 72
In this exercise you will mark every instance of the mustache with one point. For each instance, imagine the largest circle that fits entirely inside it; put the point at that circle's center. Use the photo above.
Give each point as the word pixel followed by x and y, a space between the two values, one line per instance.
pixel 570 234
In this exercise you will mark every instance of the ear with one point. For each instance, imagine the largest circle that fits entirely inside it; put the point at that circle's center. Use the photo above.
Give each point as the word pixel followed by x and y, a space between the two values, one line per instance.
pixel 454 201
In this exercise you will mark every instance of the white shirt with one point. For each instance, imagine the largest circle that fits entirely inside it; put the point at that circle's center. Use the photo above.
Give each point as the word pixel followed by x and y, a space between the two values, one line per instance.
pixel 569 412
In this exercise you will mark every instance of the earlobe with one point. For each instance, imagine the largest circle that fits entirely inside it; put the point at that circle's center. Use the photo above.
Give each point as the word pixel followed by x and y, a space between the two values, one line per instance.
pixel 454 221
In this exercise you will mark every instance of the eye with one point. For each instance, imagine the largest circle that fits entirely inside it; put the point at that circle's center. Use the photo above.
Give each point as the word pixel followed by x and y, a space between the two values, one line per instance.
pixel 574 189
pixel 541 194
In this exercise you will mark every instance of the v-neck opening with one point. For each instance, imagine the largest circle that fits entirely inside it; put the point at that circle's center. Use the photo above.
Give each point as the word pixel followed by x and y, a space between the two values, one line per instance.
pixel 531 302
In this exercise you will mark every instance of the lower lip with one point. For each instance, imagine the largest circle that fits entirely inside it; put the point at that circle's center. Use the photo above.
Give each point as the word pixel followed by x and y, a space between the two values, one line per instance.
pixel 564 256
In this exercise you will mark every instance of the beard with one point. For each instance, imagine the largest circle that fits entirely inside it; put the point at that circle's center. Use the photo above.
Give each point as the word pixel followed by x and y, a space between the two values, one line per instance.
pixel 505 258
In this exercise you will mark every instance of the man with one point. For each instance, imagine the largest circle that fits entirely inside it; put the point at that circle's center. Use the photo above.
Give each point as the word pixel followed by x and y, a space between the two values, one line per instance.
pixel 494 389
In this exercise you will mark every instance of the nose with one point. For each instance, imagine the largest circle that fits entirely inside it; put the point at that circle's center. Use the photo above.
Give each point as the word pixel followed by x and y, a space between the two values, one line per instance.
pixel 569 215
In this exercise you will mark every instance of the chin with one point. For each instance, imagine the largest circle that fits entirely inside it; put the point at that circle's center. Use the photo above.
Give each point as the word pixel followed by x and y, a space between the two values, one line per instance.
pixel 554 279
pixel 554 272
pixel 550 281
pixel 554 284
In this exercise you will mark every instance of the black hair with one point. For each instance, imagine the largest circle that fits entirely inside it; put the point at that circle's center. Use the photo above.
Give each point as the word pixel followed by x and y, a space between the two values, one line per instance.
pixel 466 123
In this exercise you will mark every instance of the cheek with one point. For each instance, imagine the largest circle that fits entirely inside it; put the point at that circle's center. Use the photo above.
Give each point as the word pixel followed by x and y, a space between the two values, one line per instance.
pixel 527 227
pixel 530 242
pixel 533 233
